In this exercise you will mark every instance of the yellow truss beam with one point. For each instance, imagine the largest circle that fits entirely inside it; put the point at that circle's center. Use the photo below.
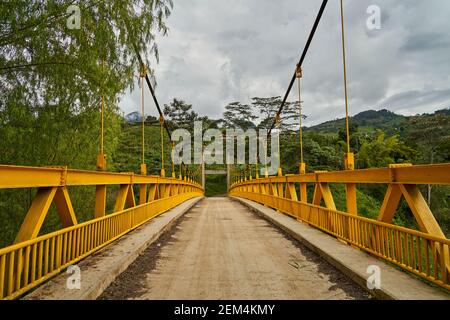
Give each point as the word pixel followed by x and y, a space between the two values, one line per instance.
pixel 291 193
pixel 323 191
pixel 35 217
pixel 390 203
pixel 420 174
pixel 352 207
pixel 153 192
pixel 421 211
pixel 65 208
pixel 142 194
pixel 421 253
pixel 27 264
pixel 416 203
pixel 124 196
pixel 100 201
pixel 35 177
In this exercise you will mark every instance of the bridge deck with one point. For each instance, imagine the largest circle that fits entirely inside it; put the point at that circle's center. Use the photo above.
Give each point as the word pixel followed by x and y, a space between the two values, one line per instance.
pixel 219 250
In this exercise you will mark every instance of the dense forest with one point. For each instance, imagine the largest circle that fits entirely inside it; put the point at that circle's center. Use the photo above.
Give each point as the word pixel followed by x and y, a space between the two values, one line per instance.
pixel 54 76
pixel 378 138
pixel 57 136
pixel 53 81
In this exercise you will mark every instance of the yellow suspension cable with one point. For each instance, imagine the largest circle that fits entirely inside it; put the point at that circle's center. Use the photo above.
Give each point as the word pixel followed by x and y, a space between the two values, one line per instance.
pixel 173 156
pixel 266 171
pixel 102 125
pixel 256 166
pixel 345 78
pixel 161 123
pixel 101 158
pixel 102 115
pixel 298 74
pixel 142 75
pixel 278 122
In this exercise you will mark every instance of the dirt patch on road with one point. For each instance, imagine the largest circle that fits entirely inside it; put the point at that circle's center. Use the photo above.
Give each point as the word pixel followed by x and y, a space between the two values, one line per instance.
pixel 219 250
pixel 131 283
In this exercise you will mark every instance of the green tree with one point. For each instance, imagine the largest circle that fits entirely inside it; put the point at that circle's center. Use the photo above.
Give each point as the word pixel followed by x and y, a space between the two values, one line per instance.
pixel 180 114
pixel 45 61
pixel 151 119
pixel 320 151
pixel 355 141
pixel 239 115
pixel 430 135
pixel 383 151
pixel 268 108
pixel 52 79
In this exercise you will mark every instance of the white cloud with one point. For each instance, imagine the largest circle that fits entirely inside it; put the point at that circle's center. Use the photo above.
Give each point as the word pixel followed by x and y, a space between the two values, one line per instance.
pixel 223 51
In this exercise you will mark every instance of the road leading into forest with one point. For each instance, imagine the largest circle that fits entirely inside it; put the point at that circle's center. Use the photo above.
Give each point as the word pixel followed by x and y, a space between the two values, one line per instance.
pixel 221 250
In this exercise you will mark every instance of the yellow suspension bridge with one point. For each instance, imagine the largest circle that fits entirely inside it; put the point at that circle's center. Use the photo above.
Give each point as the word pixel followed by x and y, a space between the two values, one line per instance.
pixel 236 259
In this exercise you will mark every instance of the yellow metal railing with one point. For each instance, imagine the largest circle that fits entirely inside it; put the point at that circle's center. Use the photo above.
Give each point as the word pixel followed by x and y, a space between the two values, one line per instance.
pixel 425 253
pixel 27 263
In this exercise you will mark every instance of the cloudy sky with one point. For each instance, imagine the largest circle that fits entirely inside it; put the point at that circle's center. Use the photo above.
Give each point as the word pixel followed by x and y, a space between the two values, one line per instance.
pixel 223 51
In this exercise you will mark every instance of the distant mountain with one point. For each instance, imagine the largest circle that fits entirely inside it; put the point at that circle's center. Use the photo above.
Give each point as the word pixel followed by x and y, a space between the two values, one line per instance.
pixel 445 112
pixel 133 117
pixel 370 119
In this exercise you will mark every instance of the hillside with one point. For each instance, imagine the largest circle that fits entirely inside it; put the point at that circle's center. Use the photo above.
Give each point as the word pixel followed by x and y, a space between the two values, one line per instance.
pixel 385 120
pixel 421 139
pixel 388 121
pixel 127 157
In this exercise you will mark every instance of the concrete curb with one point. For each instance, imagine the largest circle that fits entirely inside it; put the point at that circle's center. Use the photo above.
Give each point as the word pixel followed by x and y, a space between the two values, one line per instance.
pixel 99 270
pixel 395 284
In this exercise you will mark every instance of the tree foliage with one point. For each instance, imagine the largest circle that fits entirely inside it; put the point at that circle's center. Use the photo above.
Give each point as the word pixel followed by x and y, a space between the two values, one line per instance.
pixel 431 136
pixel 239 115
pixel 268 108
pixel 52 79
pixel 180 114
pixel 383 151
pixel 46 61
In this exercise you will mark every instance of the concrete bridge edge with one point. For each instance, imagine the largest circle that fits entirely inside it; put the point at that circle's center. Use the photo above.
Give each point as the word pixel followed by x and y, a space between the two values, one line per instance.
pixel 100 269
pixel 395 284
